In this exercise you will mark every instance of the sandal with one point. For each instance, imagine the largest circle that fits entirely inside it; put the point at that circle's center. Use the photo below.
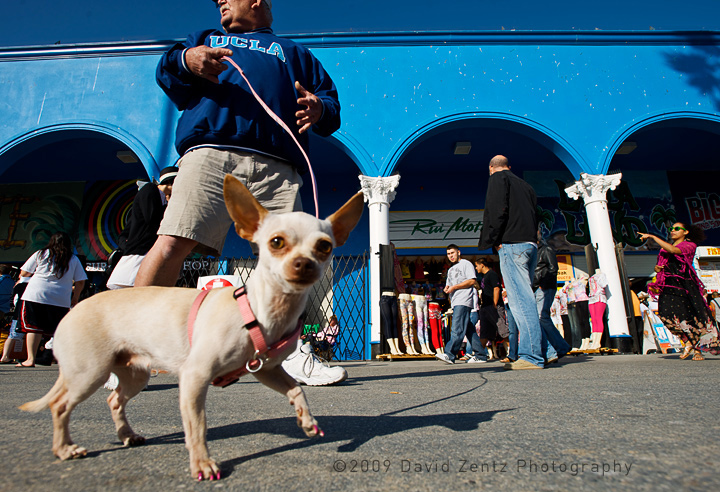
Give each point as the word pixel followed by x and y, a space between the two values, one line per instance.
pixel 506 360
pixel 688 350
pixel 698 356
pixel 23 365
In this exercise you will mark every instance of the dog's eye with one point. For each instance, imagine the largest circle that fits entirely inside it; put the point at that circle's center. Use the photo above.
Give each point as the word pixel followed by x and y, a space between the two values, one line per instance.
pixel 324 247
pixel 277 243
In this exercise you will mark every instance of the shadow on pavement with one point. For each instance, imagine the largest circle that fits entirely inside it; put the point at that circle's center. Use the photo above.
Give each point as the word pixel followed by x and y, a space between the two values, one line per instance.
pixel 348 431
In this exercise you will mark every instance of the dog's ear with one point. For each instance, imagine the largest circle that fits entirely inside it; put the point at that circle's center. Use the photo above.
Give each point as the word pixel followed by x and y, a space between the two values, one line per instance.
pixel 346 218
pixel 244 209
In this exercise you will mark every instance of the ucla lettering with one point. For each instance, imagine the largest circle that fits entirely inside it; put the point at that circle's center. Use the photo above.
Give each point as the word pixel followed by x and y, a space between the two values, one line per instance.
pixel 239 42
pixel 219 41
pixel 253 45
pixel 276 49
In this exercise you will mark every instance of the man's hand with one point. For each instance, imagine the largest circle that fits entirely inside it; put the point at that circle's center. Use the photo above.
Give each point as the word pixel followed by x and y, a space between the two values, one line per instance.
pixel 204 62
pixel 448 289
pixel 308 117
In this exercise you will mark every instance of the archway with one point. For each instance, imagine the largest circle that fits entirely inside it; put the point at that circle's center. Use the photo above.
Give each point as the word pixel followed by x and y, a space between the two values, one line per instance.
pixel 670 172
pixel 70 179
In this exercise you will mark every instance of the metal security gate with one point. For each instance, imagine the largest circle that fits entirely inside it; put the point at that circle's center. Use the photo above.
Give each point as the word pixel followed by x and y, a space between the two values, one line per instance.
pixel 341 292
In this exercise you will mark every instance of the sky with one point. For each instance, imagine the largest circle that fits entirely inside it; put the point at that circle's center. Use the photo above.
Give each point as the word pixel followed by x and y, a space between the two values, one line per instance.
pixel 48 22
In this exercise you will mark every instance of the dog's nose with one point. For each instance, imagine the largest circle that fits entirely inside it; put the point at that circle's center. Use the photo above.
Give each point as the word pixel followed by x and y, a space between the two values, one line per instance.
pixel 302 266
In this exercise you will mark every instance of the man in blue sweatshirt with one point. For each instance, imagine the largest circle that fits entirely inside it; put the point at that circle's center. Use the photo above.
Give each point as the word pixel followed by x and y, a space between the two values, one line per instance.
pixel 223 129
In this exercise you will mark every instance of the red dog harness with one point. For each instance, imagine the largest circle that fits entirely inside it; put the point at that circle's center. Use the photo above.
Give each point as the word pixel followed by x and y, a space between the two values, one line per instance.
pixel 262 351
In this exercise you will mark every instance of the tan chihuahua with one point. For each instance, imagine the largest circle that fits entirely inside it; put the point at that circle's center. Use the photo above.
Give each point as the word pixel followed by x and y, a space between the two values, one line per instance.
pixel 131 330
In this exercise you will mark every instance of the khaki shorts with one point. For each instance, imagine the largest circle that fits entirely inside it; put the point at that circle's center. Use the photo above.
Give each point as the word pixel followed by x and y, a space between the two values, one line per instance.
pixel 196 209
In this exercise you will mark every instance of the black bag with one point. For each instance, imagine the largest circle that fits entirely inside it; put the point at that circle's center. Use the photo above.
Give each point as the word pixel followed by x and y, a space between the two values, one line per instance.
pixel 112 262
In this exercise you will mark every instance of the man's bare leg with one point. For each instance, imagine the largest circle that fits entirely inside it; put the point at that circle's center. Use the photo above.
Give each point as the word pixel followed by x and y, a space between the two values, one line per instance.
pixel 162 265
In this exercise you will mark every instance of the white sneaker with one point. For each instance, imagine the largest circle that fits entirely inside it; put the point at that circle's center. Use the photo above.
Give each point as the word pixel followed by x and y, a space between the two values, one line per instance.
pixel 308 369
pixel 475 360
pixel 112 382
pixel 444 357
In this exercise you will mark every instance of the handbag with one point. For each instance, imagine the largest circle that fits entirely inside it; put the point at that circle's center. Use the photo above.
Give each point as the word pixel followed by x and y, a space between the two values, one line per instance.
pixel 113 260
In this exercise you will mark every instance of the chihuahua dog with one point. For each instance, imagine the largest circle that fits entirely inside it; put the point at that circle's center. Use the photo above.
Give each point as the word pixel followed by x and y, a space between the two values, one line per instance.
pixel 129 331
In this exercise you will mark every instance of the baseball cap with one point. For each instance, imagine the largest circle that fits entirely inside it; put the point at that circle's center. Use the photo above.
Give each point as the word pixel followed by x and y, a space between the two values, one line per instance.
pixel 167 175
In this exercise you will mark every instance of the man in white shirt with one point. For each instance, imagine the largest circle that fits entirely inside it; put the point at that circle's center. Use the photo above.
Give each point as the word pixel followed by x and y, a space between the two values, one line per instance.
pixel 458 287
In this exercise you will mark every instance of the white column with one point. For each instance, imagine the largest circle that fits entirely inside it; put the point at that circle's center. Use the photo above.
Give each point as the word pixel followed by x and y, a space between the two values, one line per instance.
pixel 379 192
pixel 593 190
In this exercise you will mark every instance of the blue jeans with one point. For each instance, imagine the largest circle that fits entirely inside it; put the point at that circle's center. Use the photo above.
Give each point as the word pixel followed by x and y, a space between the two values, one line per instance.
pixel 554 345
pixel 481 351
pixel 512 336
pixel 517 262
pixel 461 328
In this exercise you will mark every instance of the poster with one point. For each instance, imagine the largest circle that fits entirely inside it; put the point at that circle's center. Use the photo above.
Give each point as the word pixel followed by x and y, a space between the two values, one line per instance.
pixel 565 268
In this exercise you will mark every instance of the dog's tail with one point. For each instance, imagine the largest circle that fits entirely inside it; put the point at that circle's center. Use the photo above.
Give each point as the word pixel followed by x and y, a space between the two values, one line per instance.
pixel 44 402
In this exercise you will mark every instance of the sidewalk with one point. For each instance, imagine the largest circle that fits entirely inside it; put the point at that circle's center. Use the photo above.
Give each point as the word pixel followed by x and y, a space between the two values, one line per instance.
pixel 614 422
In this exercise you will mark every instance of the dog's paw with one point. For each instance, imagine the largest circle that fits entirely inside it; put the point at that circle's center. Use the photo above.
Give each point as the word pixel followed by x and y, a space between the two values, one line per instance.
pixel 133 440
pixel 313 430
pixel 70 452
pixel 206 470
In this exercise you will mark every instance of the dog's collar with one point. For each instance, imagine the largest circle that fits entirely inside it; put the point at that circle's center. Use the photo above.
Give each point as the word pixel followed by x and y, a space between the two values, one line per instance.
pixel 263 352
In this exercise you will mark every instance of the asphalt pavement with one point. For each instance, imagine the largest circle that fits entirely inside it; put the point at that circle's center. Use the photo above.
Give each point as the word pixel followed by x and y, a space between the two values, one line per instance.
pixel 613 422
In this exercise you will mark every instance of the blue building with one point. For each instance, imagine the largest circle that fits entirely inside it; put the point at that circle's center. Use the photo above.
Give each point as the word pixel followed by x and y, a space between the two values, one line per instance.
pixel 79 124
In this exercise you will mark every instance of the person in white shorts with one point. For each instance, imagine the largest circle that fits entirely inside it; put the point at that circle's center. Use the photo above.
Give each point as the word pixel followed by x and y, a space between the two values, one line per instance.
pixel 141 230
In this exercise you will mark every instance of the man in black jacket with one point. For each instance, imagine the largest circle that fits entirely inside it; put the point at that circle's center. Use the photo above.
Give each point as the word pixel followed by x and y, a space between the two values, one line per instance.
pixel 545 286
pixel 510 227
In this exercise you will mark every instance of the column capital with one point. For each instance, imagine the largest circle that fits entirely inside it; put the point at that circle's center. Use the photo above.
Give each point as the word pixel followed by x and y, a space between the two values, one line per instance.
pixel 379 189
pixel 593 187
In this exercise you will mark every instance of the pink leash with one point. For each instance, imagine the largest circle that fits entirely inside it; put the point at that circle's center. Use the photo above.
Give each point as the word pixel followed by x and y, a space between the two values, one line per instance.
pixel 284 126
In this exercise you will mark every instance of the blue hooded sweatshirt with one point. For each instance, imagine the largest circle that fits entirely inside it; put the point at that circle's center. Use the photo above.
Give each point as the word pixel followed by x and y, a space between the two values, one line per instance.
pixel 228 114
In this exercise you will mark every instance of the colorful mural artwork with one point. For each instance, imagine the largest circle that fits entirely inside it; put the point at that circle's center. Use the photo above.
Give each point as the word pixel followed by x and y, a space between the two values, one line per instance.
pixel 93 214
pixel 643 202
pixel 105 210
pixel 31 213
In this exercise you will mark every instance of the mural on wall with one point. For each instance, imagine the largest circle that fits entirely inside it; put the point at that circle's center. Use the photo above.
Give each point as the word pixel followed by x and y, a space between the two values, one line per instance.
pixel 643 202
pixel 105 210
pixel 93 215
pixel 31 213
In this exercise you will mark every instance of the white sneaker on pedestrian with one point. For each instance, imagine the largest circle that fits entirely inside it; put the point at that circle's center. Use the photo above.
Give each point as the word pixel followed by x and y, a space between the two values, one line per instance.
pixel 444 357
pixel 112 382
pixel 475 360
pixel 308 369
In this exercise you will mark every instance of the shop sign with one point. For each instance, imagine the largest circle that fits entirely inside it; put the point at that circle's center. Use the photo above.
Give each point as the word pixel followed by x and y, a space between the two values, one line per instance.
pixel 565 268
pixel 435 229
pixel 707 251
pixel 199 264
pixel 96 266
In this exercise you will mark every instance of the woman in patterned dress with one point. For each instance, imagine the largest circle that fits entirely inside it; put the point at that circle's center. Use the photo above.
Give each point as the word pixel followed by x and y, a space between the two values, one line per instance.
pixel 681 294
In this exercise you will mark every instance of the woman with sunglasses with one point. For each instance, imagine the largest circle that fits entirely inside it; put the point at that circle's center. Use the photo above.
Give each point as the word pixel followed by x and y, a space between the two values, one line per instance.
pixel 681 294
